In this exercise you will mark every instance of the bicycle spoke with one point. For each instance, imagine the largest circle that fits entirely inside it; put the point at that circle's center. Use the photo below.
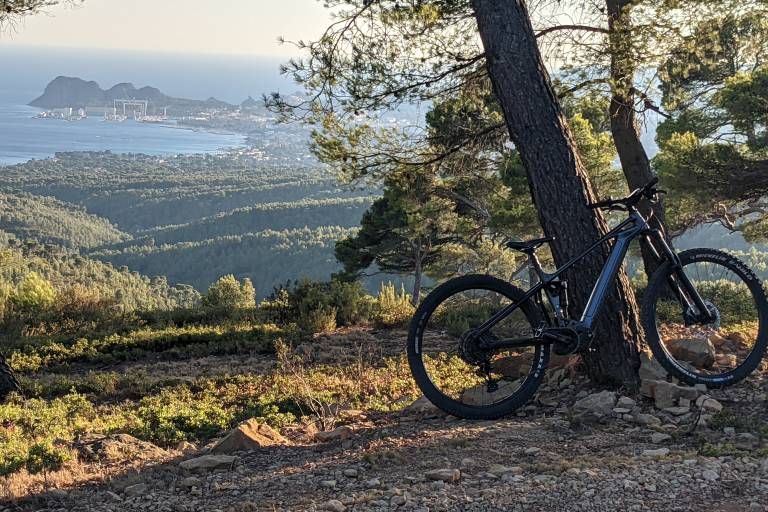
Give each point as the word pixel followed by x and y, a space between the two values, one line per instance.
pixel 453 357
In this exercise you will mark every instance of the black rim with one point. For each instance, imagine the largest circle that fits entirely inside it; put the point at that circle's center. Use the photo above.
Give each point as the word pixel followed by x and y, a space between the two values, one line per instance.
pixel 717 349
pixel 449 353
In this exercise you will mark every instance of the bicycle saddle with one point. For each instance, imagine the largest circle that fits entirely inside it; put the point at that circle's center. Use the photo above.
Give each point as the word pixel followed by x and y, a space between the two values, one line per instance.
pixel 528 246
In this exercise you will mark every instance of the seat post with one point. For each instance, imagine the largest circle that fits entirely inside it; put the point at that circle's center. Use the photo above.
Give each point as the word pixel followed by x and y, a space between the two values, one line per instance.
pixel 534 267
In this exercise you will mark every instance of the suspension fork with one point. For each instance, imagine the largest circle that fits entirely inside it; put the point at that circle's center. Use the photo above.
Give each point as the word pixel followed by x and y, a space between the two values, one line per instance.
pixel 679 283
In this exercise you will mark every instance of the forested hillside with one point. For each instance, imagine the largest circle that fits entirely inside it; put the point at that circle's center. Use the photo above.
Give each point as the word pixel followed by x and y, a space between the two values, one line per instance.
pixel 65 268
pixel 190 218
pixel 267 257
pixel 50 220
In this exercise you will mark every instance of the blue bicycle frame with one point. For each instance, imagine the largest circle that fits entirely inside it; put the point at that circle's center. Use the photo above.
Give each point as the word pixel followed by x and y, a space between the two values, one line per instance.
pixel 623 234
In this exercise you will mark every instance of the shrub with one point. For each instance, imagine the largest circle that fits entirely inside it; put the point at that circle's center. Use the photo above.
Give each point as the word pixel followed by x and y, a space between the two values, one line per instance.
pixel 734 302
pixel 321 306
pixel 277 307
pixel 229 294
pixel 79 307
pixel 322 319
pixel 175 415
pixel 5 296
pixel 33 293
pixel 45 457
pixel 353 305
pixel 12 459
pixel 458 318
pixel 393 308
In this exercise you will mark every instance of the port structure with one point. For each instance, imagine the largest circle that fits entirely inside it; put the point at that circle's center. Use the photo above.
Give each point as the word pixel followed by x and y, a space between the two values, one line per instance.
pixel 139 107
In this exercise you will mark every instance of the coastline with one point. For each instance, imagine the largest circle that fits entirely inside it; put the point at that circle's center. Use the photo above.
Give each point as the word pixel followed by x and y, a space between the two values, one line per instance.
pixel 24 138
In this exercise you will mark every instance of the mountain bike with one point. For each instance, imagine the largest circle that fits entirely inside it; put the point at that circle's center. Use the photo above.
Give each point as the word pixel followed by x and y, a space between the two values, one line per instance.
pixel 478 346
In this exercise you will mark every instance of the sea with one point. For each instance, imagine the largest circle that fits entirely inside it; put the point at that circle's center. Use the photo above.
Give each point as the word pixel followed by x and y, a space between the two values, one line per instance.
pixel 27 70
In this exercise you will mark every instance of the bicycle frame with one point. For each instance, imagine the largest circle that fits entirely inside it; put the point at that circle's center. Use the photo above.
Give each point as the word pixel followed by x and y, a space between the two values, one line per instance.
pixel 623 234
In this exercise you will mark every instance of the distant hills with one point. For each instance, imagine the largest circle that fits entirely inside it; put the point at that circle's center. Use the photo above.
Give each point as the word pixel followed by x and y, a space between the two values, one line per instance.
pixel 65 91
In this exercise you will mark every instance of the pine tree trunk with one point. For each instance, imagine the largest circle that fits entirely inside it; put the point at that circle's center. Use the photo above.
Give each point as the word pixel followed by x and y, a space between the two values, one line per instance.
pixel 626 137
pixel 559 184
pixel 417 271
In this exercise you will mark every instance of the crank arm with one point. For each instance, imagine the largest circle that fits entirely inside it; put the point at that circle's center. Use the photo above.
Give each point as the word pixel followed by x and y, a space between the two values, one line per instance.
pixel 512 343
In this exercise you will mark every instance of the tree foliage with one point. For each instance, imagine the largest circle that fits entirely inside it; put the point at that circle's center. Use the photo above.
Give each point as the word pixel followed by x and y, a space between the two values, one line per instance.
pixel 713 147
pixel 13 11
pixel 230 294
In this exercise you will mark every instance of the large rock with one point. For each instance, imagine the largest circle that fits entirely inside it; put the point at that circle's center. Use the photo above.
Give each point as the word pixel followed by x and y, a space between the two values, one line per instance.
pixel 118 447
pixel 249 435
pixel 593 407
pixel 650 368
pixel 667 394
pixel 443 475
pixel 333 506
pixel 135 490
pixel 186 448
pixel 659 452
pixel 513 367
pixel 422 407
pixel 208 462
pixel 338 434
pixel 700 352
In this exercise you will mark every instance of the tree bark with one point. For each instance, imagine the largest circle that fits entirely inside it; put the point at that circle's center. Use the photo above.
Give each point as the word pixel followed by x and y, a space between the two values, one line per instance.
pixel 558 181
pixel 626 137
pixel 418 255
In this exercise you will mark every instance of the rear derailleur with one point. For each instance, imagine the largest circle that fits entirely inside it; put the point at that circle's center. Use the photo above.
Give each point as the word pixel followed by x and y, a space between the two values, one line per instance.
pixel 471 353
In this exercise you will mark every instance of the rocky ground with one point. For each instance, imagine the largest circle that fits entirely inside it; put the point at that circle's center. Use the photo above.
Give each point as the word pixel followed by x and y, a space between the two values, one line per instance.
pixel 575 448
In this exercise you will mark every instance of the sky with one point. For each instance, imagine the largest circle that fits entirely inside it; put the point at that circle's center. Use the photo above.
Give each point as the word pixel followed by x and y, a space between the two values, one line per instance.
pixel 235 27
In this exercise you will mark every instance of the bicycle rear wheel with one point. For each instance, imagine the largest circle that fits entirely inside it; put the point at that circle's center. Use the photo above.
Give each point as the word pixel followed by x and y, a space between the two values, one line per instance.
pixel 718 353
pixel 452 372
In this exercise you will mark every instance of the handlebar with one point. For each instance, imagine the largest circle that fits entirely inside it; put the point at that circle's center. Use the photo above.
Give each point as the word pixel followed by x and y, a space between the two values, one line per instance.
pixel 647 191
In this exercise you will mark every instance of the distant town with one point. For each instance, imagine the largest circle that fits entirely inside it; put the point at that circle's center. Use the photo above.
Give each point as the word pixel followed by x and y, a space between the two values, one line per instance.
pixel 74 99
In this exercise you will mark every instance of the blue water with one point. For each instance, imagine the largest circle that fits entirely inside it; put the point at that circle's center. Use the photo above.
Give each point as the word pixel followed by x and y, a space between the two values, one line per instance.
pixel 22 137
pixel 26 71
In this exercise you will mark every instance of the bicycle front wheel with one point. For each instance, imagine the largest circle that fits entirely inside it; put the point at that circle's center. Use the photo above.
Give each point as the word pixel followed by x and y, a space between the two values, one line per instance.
pixel 722 351
pixel 447 363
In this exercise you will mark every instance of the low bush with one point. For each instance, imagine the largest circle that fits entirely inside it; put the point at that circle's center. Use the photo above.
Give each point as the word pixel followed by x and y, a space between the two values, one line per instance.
pixel 733 301
pixel 393 308
pixel 36 433
pixel 46 457
pixel 320 319
pixel 172 342
pixel 278 307
pixel 177 414
pixel 319 306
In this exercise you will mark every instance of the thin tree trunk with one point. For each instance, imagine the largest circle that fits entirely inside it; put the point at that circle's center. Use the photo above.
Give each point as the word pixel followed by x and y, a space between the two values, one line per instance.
pixel 559 184
pixel 626 137
pixel 417 275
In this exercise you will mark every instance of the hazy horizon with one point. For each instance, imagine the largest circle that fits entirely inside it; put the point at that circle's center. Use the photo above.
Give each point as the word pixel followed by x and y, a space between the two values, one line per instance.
pixel 236 27
pixel 227 77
